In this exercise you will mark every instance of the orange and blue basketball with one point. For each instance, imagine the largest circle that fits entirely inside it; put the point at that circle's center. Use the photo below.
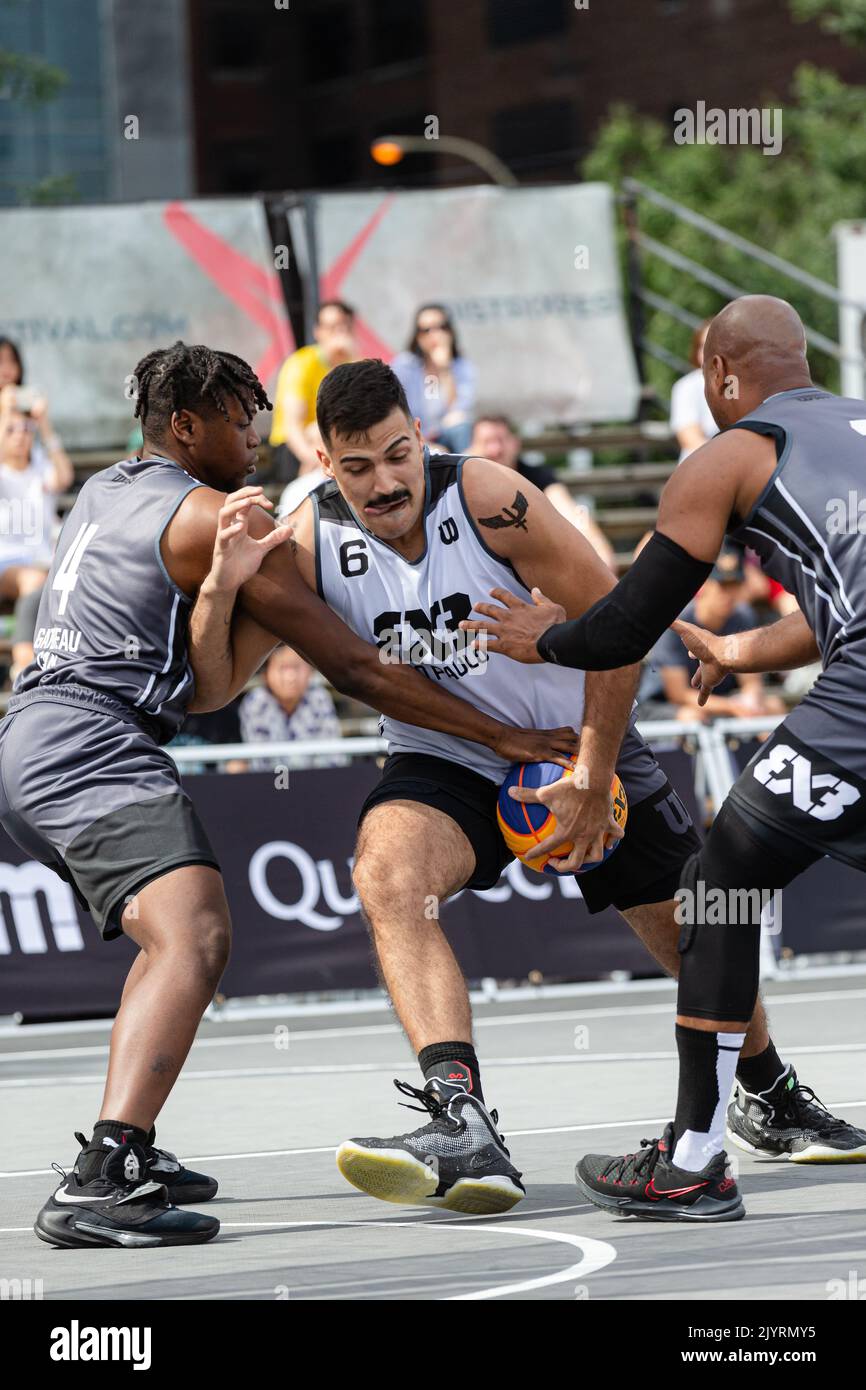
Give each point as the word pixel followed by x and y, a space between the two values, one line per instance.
pixel 524 824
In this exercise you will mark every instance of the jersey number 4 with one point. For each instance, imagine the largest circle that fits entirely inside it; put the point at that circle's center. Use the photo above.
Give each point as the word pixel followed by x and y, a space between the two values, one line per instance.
pixel 66 577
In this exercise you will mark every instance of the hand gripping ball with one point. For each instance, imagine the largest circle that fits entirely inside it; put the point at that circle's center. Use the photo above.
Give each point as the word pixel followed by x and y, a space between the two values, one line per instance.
pixel 525 823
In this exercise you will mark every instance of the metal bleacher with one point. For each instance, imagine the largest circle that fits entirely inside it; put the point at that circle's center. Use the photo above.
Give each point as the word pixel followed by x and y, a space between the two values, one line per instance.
pixel 625 494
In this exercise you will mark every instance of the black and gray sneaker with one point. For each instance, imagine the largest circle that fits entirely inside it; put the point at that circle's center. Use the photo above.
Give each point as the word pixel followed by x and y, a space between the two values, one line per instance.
pixel 120 1207
pixel 790 1122
pixel 648 1185
pixel 458 1161
pixel 183 1185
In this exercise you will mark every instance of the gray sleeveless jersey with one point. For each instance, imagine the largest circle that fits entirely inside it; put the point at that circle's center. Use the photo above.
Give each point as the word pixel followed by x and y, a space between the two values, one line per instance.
pixel 806 526
pixel 111 620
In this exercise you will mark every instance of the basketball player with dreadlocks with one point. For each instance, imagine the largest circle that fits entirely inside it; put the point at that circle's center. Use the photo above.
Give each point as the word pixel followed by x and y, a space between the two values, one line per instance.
pixel 88 790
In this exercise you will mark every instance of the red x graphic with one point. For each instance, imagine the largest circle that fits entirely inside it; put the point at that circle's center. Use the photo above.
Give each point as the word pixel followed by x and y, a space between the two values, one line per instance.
pixel 256 290
pixel 250 286
pixel 331 282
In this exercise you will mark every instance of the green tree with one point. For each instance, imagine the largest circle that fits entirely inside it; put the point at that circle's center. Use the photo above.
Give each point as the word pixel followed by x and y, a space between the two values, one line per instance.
pixel 787 203
pixel 846 19
pixel 31 81
pixel 26 78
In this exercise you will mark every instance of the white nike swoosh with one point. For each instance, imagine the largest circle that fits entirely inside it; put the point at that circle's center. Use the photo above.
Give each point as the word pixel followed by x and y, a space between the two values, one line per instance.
pixel 62 1196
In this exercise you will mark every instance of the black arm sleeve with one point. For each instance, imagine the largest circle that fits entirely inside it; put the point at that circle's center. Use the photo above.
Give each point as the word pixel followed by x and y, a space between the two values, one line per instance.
pixel 624 625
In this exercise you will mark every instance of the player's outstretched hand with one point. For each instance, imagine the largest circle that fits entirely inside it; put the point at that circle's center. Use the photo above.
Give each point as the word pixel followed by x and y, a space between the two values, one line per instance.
pixel 539 746
pixel 584 818
pixel 710 650
pixel 513 627
pixel 237 555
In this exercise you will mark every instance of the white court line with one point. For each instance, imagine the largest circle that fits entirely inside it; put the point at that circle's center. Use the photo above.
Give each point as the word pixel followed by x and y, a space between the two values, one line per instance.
pixel 344 1068
pixel 300 1035
pixel 373 1002
pixel 533 993
pixel 332 1148
pixel 595 1254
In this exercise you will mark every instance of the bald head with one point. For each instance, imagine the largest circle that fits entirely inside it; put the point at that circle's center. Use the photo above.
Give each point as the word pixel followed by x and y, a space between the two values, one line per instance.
pixel 755 347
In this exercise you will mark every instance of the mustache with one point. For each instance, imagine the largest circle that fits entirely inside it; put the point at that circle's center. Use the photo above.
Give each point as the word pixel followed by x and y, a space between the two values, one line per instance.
pixel 401 495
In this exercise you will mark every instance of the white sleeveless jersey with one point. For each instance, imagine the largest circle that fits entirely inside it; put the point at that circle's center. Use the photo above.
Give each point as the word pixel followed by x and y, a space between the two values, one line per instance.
pixel 411 610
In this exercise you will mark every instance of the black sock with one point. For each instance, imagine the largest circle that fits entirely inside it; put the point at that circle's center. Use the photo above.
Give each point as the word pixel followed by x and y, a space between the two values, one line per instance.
pixel 758 1074
pixel 91 1159
pixel 455 1063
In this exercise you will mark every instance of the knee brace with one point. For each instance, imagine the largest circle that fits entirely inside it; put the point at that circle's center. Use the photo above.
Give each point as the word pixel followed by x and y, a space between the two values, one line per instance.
pixel 723 889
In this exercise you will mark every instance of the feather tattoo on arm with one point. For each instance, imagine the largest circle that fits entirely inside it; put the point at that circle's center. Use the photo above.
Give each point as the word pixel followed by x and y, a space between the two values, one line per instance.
pixel 515 515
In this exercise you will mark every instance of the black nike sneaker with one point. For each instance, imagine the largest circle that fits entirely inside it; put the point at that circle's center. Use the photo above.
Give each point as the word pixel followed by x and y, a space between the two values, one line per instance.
pixel 790 1122
pixel 120 1207
pixel 457 1161
pixel 647 1185
pixel 183 1185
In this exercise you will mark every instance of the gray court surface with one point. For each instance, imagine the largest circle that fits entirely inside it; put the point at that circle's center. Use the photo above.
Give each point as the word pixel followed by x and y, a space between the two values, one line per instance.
pixel 265 1099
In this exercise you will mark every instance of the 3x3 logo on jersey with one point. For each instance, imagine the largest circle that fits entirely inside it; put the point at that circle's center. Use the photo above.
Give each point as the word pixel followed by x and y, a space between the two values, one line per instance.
pixel 423 639
pixel 785 772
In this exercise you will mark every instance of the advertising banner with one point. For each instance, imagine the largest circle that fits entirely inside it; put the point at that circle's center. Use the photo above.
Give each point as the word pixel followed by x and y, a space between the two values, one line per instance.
pixel 286 853
pixel 530 277
pixel 86 292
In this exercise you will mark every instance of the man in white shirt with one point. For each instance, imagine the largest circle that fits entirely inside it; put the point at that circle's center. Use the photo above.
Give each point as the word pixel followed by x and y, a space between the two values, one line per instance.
pixel 691 420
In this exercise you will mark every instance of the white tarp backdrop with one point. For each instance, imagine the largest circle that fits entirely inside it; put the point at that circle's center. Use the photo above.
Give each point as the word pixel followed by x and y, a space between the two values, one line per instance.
pixel 530 276
pixel 851 261
pixel 86 292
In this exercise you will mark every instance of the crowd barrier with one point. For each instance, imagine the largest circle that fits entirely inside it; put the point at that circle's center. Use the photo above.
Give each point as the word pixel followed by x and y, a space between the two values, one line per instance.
pixel 285 840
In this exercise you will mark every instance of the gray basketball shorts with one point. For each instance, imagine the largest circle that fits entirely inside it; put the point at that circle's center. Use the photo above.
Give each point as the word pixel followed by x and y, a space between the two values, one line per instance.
pixel 94 797
pixel 806 786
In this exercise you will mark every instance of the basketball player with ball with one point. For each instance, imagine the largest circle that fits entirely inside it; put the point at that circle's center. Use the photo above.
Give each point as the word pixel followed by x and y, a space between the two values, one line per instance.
pixel 401 545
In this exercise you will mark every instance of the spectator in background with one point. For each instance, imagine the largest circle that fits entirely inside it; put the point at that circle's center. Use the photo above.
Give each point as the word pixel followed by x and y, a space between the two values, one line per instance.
pixel 294 433
pixel 213 727
pixel 33 467
pixel 691 420
pixel 494 438
pixel 666 690
pixel 760 588
pixel 438 380
pixel 294 492
pixel 11 365
pixel 30 400
pixel 289 706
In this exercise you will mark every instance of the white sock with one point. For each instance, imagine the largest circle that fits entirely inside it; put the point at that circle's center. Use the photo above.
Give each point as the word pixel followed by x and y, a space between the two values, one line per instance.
pixel 694 1148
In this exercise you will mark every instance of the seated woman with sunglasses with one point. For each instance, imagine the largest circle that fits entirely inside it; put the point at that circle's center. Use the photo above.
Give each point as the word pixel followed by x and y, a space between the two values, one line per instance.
pixel 438 380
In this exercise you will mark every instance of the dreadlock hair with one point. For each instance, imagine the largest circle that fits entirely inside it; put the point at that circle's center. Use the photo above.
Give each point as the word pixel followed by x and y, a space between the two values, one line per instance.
pixel 185 377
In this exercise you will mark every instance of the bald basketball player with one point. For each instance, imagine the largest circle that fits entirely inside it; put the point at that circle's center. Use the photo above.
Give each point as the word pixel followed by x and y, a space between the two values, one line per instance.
pixel 772 481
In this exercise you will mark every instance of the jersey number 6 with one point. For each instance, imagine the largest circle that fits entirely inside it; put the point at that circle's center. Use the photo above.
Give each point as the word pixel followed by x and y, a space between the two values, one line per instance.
pixel 354 559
